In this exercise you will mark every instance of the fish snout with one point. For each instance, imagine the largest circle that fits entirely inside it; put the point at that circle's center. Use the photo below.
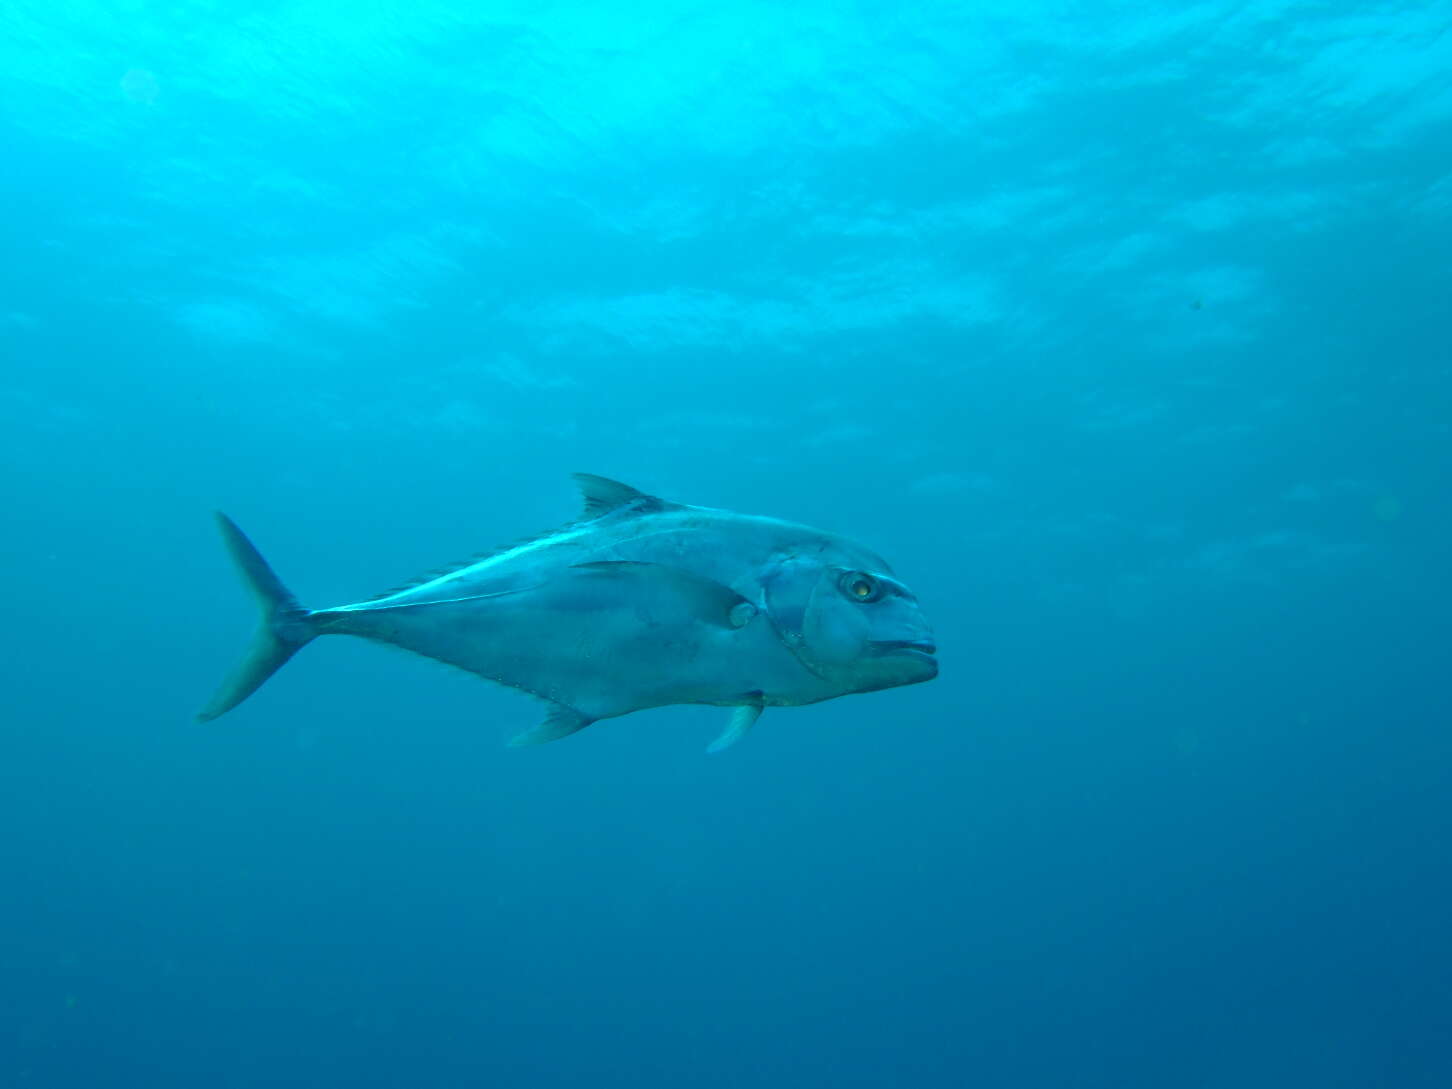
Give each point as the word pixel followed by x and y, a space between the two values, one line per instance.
pixel 923 645
pixel 916 655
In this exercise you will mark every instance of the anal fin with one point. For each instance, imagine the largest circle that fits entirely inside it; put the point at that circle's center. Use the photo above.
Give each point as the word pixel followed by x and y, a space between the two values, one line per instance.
pixel 561 722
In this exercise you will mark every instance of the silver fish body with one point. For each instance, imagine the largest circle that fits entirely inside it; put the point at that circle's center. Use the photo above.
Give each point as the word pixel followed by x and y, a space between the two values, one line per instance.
pixel 642 603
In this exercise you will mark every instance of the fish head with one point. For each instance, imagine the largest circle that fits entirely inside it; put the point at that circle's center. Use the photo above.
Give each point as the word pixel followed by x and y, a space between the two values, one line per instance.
pixel 850 622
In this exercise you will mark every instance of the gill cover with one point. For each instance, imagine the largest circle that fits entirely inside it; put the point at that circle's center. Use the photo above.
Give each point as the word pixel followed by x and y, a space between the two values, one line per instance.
pixel 825 631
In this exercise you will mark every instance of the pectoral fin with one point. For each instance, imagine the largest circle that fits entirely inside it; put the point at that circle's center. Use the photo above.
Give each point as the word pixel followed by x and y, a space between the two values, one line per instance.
pixel 742 719
pixel 561 722
pixel 705 599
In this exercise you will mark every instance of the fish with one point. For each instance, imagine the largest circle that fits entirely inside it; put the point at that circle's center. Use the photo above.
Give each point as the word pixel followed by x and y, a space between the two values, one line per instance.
pixel 639 603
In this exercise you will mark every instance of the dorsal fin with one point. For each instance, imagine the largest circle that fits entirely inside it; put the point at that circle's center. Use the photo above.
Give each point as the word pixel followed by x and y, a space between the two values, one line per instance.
pixel 602 495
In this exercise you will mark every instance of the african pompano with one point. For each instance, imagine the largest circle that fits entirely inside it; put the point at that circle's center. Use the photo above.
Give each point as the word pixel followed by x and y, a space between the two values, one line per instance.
pixel 641 603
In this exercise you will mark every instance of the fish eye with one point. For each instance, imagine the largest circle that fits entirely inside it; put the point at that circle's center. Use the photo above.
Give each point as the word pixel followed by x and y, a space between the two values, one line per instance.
pixel 860 587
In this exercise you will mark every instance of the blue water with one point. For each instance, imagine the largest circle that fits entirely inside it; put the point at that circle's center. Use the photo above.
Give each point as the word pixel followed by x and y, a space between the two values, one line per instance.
pixel 1124 336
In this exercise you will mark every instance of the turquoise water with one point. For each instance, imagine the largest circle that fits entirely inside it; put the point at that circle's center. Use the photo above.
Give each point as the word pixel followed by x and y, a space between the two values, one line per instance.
pixel 1123 334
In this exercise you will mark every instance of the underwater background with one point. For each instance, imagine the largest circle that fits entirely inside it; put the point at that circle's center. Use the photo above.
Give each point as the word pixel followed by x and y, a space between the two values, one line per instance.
pixel 1121 331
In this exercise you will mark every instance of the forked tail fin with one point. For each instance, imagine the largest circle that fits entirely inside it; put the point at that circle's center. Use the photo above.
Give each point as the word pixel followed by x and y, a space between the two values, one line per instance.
pixel 286 626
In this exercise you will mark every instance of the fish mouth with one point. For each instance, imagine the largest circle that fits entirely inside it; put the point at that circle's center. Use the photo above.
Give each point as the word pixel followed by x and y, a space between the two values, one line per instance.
pixel 907 648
